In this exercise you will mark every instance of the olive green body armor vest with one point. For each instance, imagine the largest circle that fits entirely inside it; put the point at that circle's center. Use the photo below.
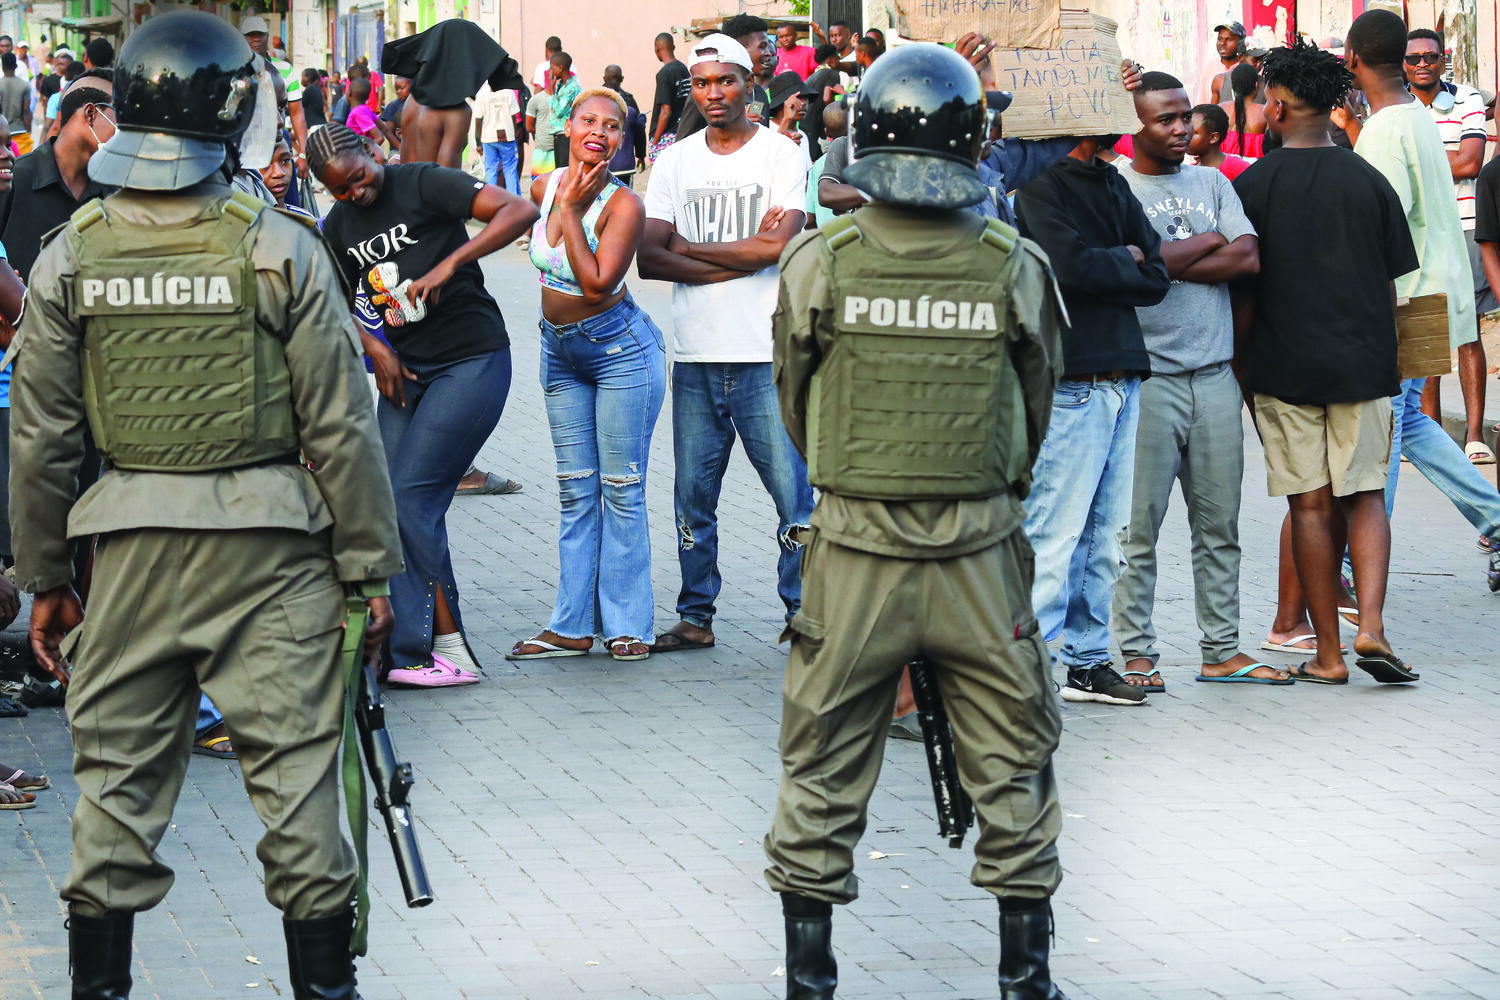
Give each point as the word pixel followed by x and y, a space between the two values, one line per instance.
pixel 918 399
pixel 176 375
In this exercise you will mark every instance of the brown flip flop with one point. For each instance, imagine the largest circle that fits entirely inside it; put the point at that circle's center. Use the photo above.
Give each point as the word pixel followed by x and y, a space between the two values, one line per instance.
pixel 673 641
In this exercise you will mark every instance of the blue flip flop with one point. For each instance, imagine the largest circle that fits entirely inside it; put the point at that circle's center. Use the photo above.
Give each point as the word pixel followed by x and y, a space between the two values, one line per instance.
pixel 1242 676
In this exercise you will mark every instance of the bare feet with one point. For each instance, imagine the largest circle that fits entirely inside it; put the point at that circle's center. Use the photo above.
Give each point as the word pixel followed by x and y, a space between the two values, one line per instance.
pixel 1238 661
pixel 1141 665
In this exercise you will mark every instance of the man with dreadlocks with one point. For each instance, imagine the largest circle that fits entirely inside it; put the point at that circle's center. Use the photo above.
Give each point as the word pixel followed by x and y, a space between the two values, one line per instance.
pixel 1316 344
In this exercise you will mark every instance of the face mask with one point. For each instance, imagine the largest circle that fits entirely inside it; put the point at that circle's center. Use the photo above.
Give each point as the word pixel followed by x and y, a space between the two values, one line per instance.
pixel 1444 101
pixel 258 144
pixel 100 117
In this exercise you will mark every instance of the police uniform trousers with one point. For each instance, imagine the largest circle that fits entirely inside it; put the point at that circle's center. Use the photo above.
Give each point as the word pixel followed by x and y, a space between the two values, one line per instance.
pixel 864 616
pixel 252 617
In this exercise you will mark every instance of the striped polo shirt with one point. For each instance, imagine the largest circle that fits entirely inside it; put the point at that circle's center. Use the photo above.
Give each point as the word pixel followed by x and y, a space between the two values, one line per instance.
pixel 1464 120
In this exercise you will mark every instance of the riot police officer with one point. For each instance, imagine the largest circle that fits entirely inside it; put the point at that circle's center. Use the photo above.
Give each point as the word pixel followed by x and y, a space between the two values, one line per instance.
pixel 206 340
pixel 916 349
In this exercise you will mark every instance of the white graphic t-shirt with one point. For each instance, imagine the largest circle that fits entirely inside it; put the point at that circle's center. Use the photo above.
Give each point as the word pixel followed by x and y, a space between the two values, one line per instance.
pixel 720 199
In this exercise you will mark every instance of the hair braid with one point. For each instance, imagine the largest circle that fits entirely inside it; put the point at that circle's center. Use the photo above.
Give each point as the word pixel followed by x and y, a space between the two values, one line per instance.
pixel 329 143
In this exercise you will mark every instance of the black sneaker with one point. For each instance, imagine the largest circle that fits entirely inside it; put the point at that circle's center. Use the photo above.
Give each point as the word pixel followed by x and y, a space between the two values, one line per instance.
pixel 1101 684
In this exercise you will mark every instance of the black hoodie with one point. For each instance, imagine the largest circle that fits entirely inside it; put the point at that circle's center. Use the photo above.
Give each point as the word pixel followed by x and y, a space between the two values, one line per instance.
pixel 1084 215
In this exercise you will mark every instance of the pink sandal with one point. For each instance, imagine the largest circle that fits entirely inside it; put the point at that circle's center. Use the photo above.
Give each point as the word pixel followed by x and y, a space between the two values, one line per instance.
pixel 441 674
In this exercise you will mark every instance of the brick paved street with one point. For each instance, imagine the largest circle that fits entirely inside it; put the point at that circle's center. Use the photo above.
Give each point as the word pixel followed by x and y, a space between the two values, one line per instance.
pixel 593 828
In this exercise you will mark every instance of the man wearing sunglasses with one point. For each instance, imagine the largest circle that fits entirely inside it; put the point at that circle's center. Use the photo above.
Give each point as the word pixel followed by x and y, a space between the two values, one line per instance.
pixel 1458 111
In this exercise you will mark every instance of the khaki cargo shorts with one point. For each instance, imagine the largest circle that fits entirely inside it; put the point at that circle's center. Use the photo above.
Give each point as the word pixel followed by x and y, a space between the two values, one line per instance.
pixel 1347 445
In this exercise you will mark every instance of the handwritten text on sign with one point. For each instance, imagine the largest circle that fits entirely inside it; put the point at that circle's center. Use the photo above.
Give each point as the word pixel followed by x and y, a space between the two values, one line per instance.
pixel 1026 23
pixel 1074 89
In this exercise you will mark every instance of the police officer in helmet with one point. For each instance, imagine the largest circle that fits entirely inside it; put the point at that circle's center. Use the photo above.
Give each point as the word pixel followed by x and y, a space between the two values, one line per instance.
pixel 207 342
pixel 917 348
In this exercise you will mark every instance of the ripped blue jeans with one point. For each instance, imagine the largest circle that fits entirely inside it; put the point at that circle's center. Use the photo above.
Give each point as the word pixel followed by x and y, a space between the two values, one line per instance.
pixel 604 380
pixel 711 401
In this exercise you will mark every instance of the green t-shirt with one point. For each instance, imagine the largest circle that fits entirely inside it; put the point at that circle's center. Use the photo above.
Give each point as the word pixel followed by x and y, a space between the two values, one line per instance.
pixel 1404 145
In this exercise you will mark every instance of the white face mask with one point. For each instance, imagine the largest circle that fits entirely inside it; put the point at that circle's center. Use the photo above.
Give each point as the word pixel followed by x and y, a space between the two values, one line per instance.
pixel 258 144
pixel 100 117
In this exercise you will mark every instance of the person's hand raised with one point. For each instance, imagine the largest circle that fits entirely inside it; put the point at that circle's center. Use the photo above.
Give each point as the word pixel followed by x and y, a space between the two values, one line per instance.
pixel 579 187
pixel 977 48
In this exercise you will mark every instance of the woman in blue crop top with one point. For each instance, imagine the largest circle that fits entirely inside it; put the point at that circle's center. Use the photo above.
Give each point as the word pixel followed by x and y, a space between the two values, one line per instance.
pixel 604 372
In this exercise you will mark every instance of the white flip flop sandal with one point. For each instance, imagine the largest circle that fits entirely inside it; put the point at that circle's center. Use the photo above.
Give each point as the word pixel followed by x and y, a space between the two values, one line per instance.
pixel 548 650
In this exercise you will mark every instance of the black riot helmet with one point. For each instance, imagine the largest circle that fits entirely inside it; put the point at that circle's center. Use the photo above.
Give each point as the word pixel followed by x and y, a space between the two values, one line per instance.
pixel 185 88
pixel 917 129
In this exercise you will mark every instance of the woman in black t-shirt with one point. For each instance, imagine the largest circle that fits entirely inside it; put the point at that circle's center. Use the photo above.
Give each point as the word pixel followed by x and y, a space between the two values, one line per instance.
pixel 399 235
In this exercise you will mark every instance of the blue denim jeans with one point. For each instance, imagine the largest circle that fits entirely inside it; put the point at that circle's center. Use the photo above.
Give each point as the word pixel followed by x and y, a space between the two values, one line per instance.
pixel 604 380
pixel 1437 456
pixel 208 716
pixel 430 443
pixel 502 165
pixel 710 403
pixel 1079 506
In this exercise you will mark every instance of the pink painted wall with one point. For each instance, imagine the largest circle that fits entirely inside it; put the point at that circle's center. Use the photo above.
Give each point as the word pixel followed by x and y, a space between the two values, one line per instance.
pixel 617 32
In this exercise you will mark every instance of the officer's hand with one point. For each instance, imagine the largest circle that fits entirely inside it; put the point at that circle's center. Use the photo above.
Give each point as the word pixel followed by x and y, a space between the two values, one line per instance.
pixel 772 219
pixel 379 627
pixel 977 48
pixel 10 602
pixel 54 613
pixel 428 285
pixel 1130 72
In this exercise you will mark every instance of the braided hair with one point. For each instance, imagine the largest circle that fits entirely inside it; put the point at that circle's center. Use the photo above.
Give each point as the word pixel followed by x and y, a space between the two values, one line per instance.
pixel 1314 77
pixel 330 143
pixel 1243 81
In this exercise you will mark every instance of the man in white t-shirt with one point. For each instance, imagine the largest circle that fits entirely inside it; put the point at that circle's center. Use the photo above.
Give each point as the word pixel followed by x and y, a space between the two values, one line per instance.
pixel 720 207
pixel 1459 113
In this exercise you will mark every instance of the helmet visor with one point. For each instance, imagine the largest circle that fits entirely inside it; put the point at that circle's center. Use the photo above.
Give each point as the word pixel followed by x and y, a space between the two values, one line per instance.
pixel 153 161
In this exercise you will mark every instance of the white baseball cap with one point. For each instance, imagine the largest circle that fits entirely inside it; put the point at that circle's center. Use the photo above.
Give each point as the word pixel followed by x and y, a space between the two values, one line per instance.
pixel 254 25
pixel 720 48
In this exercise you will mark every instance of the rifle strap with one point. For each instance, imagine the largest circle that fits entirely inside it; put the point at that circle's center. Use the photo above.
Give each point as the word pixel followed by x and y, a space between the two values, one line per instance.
pixel 356 795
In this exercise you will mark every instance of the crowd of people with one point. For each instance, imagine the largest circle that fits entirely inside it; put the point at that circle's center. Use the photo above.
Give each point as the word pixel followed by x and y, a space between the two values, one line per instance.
pixel 1167 340
pixel 1171 264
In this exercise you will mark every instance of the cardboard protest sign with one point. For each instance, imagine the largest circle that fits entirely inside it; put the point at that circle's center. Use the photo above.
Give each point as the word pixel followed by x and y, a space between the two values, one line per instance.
pixel 1073 88
pixel 1019 23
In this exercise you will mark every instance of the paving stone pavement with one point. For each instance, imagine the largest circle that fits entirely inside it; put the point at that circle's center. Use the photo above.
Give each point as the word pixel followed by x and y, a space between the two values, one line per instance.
pixel 593 828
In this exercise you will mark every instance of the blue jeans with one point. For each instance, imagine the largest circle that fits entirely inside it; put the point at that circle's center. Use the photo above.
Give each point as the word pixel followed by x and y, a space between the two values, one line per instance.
pixel 208 716
pixel 430 443
pixel 710 403
pixel 1079 506
pixel 503 159
pixel 604 380
pixel 1438 457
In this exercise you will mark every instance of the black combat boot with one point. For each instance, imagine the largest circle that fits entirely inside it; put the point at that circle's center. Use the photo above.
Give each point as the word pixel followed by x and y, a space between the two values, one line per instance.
pixel 99 955
pixel 317 954
pixel 1024 939
pixel 811 972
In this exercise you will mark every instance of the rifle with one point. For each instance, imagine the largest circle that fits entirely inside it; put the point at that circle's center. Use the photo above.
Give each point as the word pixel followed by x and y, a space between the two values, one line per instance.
pixel 393 779
pixel 954 807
